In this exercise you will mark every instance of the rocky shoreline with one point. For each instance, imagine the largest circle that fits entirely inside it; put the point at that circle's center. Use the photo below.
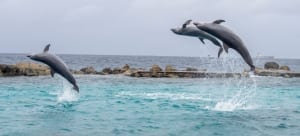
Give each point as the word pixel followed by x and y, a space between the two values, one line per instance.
pixel 34 69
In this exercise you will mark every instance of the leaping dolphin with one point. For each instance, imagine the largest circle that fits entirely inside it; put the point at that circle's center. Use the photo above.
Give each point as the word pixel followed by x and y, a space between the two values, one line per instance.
pixel 194 32
pixel 56 65
pixel 229 39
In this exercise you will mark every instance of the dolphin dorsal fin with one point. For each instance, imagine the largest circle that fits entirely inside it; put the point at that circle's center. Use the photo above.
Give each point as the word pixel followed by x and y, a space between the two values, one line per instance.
pixel 46 49
pixel 186 23
pixel 219 21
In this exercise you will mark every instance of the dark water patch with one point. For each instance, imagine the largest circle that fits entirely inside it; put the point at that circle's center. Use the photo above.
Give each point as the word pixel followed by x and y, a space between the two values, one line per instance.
pixel 65 129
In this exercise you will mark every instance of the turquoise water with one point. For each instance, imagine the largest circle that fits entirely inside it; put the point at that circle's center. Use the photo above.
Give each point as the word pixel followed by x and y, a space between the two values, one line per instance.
pixel 118 105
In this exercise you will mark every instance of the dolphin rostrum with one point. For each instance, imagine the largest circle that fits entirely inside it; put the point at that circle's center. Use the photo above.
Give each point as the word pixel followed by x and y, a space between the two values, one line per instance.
pixel 229 39
pixel 194 32
pixel 56 65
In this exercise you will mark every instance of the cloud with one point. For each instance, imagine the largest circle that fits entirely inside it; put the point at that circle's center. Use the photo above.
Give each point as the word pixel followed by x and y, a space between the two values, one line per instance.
pixel 142 27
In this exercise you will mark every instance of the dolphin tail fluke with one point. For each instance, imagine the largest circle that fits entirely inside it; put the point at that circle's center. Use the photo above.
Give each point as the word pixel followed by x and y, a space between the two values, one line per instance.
pixel 75 87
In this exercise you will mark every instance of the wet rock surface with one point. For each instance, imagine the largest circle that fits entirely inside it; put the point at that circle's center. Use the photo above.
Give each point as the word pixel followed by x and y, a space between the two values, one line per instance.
pixel 33 69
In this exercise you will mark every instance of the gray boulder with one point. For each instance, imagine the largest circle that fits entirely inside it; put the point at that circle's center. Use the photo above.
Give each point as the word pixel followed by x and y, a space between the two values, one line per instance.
pixel 107 71
pixel 155 69
pixel 125 68
pixel 88 70
pixel 116 71
pixel 271 65
pixel 286 68
pixel 169 68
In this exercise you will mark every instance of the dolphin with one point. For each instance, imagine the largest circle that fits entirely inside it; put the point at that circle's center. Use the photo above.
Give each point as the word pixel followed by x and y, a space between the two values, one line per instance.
pixel 56 65
pixel 229 39
pixel 195 32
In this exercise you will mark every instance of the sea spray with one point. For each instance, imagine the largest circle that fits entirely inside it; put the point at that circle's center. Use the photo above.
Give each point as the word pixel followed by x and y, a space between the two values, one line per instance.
pixel 244 89
pixel 241 100
pixel 67 94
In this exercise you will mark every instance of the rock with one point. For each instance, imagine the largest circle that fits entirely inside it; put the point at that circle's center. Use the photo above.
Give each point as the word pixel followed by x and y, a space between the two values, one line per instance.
pixel 155 71
pixel 88 70
pixel 32 69
pixel 125 68
pixel 9 70
pixel 116 71
pixel 155 68
pixel 286 68
pixel 100 73
pixel 191 69
pixel 171 75
pixel 271 65
pixel 130 72
pixel 169 68
pixel 276 73
pixel 107 71
pixel 77 72
pixel 24 69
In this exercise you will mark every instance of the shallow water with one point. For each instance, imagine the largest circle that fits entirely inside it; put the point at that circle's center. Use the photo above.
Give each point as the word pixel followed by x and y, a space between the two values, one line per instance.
pixel 118 105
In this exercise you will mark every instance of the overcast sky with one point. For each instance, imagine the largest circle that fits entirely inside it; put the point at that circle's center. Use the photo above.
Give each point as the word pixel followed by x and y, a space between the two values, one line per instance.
pixel 142 27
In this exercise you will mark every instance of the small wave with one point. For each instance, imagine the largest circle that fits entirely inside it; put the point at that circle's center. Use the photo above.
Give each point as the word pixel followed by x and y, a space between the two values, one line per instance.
pixel 160 95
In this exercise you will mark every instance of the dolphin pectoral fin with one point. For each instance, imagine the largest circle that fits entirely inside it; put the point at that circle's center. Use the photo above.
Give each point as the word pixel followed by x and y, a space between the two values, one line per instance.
pixel 220 51
pixel 219 21
pixel 202 40
pixel 225 47
pixel 46 49
pixel 52 72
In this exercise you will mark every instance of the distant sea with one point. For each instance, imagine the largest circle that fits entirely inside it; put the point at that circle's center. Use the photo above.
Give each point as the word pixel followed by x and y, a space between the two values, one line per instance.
pixel 99 62
pixel 116 105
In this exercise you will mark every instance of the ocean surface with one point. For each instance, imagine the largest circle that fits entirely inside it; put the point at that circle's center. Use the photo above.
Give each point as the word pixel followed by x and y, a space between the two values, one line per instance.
pixel 118 105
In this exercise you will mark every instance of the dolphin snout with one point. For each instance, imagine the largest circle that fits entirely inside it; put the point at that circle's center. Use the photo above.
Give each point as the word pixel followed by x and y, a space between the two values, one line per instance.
pixel 28 56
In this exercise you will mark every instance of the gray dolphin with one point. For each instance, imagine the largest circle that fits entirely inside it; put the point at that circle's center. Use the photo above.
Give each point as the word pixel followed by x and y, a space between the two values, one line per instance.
pixel 56 65
pixel 194 32
pixel 229 39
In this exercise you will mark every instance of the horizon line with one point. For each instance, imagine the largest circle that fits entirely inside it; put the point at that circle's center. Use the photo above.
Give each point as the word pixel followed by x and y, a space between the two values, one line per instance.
pixel 148 55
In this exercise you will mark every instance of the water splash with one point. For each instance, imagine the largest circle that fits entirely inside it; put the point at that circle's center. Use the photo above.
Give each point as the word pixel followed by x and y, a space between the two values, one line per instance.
pixel 240 101
pixel 244 89
pixel 67 94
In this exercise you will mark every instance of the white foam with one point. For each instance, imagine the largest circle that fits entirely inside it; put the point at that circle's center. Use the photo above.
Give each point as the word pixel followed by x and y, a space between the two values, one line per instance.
pixel 241 100
pixel 162 95
pixel 225 106
pixel 67 94
pixel 230 106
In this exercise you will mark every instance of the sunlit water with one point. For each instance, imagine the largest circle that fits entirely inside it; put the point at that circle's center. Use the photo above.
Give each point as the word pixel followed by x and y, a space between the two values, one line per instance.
pixel 119 105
